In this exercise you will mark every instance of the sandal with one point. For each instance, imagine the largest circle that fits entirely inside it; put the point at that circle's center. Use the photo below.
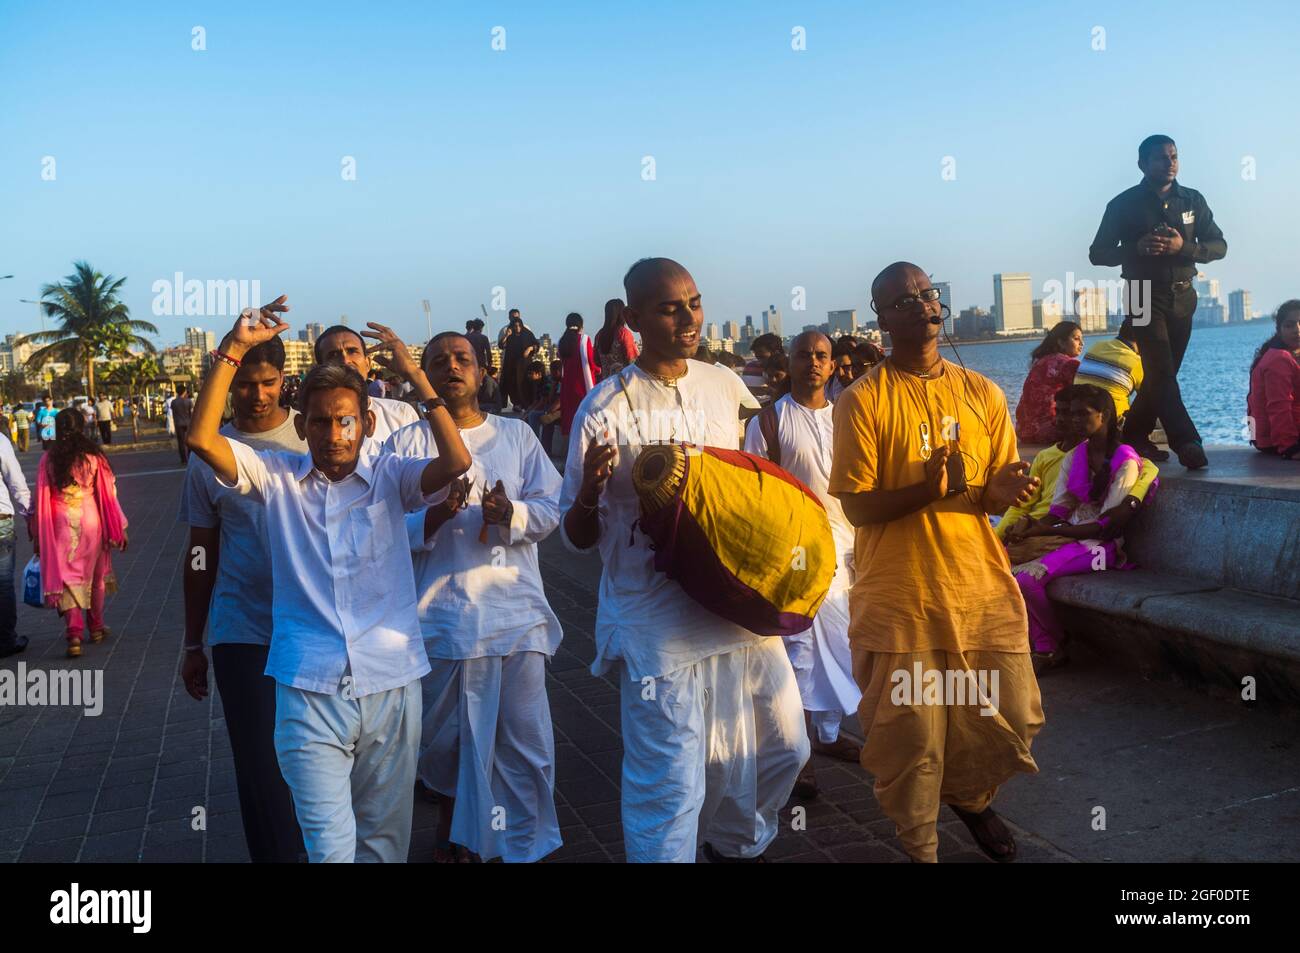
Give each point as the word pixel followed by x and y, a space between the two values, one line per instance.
pixel 446 852
pixel 99 635
pixel 74 648
pixel 713 857
pixel 978 825
pixel 1044 662
pixel 841 749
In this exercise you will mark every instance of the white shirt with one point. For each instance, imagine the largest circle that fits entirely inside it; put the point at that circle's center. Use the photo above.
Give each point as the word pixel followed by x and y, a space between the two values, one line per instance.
pixel 486 599
pixel 390 417
pixel 644 617
pixel 344 588
pixel 240 611
pixel 806 437
pixel 15 497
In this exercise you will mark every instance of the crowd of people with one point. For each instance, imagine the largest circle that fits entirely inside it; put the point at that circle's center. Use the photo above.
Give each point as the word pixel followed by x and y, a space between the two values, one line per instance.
pixel 362 559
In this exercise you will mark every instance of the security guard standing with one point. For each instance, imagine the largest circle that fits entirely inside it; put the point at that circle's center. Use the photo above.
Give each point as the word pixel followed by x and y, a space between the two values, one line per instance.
pixel 1158 232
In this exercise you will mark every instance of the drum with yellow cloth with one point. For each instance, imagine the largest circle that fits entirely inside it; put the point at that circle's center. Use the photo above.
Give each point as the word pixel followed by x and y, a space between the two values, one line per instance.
pixel 743 537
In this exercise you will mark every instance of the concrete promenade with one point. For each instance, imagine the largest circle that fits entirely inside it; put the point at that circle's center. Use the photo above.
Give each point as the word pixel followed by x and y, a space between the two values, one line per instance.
pixel 1180 776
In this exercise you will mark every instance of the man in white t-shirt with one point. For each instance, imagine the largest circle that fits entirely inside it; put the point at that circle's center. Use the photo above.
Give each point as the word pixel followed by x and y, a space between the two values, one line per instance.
pixel 713 731
pixel 796 433
pixel 488 746
pixel 346 651
pixel 342 345
pixel 228 591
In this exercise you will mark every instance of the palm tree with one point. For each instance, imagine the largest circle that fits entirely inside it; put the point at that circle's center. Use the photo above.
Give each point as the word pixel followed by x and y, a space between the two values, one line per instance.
pixel 94 323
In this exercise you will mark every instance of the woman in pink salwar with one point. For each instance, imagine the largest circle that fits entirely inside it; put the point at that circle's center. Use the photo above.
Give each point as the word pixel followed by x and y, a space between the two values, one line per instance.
pixel 78 519
pixel 1094 478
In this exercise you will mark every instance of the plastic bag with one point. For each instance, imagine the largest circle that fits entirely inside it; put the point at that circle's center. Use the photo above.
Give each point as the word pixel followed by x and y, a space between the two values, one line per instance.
pixel 32 584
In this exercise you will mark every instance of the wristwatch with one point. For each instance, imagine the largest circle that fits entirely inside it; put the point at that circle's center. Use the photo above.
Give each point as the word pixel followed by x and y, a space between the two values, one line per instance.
pixel 432 404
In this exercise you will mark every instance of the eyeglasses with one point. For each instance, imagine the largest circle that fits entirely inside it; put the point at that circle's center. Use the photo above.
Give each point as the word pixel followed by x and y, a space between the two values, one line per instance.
pixel 910 302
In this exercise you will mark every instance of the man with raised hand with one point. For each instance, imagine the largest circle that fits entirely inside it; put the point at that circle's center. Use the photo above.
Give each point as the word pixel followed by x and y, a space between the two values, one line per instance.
pixel 228 591
pixel 346 652
pixel 342 345
pixel 924 452
pixel 713 733
pixel 488 747
pixel 796 433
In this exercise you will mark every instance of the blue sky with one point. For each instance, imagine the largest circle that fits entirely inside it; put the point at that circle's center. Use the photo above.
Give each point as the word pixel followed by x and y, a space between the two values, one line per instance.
pixel 522 168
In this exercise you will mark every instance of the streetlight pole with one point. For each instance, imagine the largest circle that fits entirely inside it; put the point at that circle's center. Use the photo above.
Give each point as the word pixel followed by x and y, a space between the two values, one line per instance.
pixel 428 316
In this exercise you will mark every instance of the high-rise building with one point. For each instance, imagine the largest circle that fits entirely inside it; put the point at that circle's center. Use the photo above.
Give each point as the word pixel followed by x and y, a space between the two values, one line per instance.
pixel 945 300
pixel 311 331
pixel 772 321
pixel 298 357
pixel 1210 309
pixel 730 331
pixel 1090 309
pixel 845 322
pixel 201 340
pixel 711 331
pixel 1047 313
pixel 1013 303
pixel 1239 306
pixel 972 323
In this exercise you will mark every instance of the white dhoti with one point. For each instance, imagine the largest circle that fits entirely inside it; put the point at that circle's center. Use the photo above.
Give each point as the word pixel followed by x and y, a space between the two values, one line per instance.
pixel 488 743
pixel 823 666
pixel 350 766
pixel 710 753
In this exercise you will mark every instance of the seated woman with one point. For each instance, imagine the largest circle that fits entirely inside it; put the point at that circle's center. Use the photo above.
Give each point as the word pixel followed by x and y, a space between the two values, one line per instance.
pixel 1096 481
pixel 1047 464
pixel 1273 403
pixel 1052 366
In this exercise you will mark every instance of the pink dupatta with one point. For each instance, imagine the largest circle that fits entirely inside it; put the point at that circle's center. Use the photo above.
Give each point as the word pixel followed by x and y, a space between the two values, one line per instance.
pixel 112 521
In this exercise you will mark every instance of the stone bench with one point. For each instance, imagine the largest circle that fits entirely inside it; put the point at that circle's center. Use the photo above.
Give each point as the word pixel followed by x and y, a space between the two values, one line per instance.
pixel 1216 595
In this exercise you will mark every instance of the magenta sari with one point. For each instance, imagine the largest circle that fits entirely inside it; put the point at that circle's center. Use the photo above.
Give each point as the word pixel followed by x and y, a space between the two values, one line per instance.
pixel 75 527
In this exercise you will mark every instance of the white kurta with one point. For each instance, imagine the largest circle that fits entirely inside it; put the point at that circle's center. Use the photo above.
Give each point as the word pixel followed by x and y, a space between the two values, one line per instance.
pixel 487 738
pixel 390 417
pixel 713 734
pixel 822 661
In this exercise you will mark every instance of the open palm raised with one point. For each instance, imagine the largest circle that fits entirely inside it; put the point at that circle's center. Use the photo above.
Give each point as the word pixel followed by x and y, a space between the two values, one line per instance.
pixel 254 327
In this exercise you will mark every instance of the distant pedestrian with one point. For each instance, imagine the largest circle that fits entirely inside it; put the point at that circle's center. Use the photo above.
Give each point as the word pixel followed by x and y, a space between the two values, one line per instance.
pixel 580 370
pixel 77 519
pixel 45 415
pixel 23 420
pixel 104 417
pixel 180 409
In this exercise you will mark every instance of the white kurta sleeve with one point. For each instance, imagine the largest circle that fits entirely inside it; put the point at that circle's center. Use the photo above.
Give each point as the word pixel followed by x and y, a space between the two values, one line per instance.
pixel 582 434
pixel 415 532
pixel 537 511
pixel 253 468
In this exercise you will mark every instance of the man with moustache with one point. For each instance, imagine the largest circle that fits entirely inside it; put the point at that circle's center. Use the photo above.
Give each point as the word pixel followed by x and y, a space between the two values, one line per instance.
pixel 934 594
pixel 342 345
pixel 487 745
pixel 796 433
pixel 228 591
pixel 713 736
pixel 345 653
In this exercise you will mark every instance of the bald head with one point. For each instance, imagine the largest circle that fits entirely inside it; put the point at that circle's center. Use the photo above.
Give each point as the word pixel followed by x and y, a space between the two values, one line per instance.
pixel 896 280
pixel 646 280
pixel 663 305
pixel 809 339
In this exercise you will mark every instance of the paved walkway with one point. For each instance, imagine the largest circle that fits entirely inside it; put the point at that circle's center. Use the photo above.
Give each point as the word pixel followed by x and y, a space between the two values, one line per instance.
pixel 1180 777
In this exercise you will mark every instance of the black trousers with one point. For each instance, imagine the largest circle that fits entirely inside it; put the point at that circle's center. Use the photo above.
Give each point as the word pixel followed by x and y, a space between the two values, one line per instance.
pixel 105 431
pixel 181 446
pixel 248 697
pixel 1162 336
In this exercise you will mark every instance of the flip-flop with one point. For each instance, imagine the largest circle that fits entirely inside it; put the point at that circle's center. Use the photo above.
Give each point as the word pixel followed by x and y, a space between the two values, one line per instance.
pixel 978 831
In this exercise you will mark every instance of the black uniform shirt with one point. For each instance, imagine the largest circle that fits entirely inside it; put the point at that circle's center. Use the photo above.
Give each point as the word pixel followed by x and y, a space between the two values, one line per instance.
pixel 1135 212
